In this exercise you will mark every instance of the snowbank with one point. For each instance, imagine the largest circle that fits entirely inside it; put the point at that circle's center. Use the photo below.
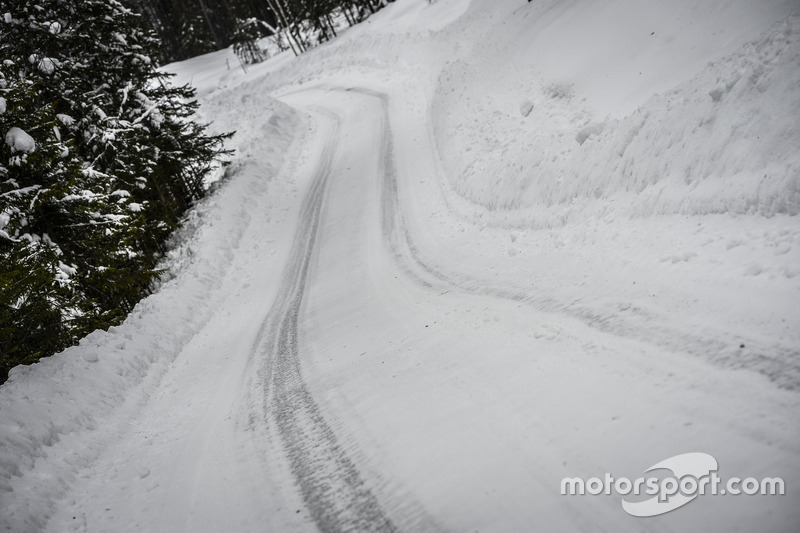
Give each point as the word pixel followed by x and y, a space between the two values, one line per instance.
pixel 702 128
pixel 58 415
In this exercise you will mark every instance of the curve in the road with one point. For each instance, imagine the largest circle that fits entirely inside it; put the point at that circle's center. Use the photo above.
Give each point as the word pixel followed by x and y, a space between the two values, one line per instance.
pixel 334 492
pixel 777 362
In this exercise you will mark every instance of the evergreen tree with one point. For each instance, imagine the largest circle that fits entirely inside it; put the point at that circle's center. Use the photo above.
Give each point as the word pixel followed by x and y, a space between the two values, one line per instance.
pixel 192 27
pixel 245 41
pixel 36 172
pixel 194 36
pixel 101 158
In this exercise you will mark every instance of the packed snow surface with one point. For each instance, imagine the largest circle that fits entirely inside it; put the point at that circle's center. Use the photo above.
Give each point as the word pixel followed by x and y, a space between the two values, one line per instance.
pixel 463 251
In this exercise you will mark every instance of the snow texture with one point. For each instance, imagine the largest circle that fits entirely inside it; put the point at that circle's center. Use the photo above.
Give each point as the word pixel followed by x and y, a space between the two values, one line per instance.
pixel 19 141
pixel 465 250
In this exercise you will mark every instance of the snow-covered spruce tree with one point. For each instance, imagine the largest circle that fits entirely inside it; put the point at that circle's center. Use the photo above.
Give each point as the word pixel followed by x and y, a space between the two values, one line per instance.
pixel 194 37
pixel 38 174
pixel 100 158
pixel 245 40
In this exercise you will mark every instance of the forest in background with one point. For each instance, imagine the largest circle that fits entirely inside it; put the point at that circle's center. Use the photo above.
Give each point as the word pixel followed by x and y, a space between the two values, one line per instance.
pixel 188 28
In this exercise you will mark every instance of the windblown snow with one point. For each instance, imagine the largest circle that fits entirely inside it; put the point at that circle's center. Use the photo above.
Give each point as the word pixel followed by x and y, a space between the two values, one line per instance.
pixel 464 251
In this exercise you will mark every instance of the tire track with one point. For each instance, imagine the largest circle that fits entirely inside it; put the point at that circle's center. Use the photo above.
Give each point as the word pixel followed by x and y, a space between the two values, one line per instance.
pixel 332 488
pixel 777 362
pixel 334 492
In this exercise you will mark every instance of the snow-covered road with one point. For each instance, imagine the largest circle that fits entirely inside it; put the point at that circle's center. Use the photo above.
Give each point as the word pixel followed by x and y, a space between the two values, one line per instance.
pixel 349 341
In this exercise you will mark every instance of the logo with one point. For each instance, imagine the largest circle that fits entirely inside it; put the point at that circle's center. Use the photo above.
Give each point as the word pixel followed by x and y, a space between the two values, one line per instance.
pixel 692 475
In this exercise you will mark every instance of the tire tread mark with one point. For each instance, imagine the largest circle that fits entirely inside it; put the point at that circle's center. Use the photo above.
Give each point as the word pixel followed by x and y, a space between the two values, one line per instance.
pixel 335 494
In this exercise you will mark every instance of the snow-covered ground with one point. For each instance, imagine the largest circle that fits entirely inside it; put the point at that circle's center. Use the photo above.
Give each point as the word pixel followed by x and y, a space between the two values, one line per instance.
pixel 464 251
